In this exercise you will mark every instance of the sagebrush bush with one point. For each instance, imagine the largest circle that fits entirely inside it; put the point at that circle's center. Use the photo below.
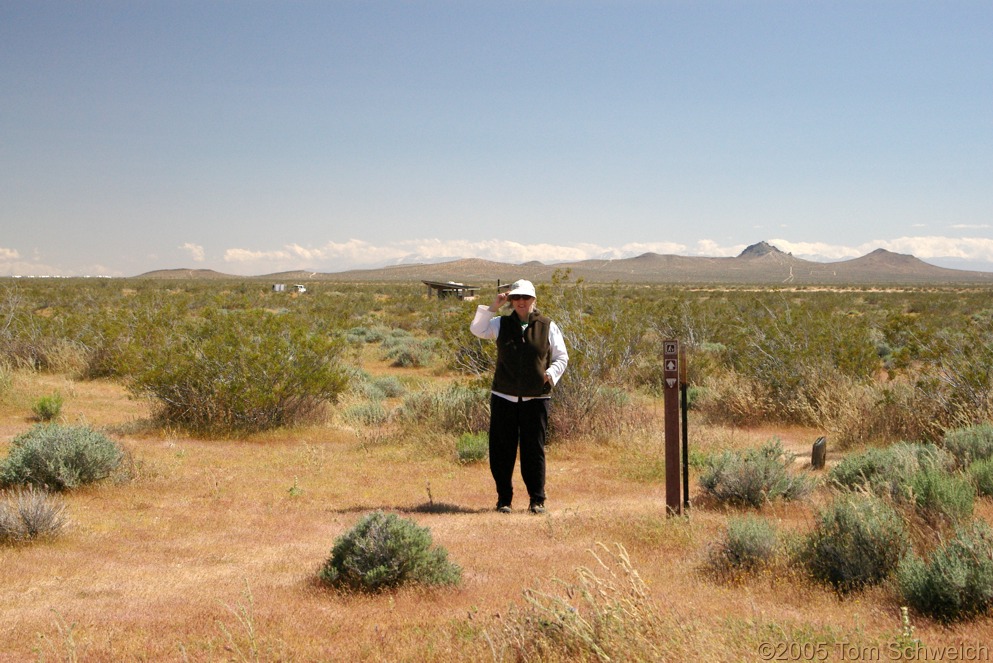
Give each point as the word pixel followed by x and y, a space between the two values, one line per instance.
pixel 970 444
pixel 755 476
pixel 888 471
pixel 857 541
pixel 57 457
pixel 472 447
pixel 29 514
pixel 956 581
pixel 389 386
pixel 238 370
pixel 981 473
pixel 368 413
pixel 941 497
pixel 384 551
pixel 48 407
pixel 748 544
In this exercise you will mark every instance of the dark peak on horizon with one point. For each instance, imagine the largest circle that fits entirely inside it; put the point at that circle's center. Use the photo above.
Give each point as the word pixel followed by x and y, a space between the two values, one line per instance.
pixel 760 249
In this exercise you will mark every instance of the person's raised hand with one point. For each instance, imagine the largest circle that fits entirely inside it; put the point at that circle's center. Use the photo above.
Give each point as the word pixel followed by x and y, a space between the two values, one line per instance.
pixel 500 300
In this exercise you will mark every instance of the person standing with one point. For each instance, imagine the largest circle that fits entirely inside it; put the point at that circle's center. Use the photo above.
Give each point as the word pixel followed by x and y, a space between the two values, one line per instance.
pixel 531 357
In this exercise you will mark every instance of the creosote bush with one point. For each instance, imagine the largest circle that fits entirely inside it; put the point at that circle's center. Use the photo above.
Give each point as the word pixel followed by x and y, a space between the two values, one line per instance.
pixel 384 551
pixel 57 457
pixel 956 581
pixel 30 514
pixel 857 541
pixel 238 370
pixel 755 476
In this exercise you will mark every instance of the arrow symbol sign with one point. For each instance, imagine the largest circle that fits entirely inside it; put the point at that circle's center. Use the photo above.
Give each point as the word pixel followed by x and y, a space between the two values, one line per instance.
pixel 670 382
pixel 670 365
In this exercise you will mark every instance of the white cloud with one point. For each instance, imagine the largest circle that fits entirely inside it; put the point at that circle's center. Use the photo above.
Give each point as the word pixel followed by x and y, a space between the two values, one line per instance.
pixel 195 250
pixel 818 250
pixel 966 248
pixel 358 254
pixel 8 254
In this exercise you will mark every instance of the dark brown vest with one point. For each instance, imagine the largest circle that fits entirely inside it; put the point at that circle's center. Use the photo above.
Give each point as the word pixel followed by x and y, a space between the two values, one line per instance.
pixel 522 357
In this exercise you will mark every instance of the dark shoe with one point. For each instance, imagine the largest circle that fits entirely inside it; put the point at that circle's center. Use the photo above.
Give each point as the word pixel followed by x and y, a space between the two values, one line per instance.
pixel 503 508
pixel 537 507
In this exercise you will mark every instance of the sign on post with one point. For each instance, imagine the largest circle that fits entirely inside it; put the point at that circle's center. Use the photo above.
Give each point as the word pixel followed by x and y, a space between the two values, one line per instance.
pixel 670 374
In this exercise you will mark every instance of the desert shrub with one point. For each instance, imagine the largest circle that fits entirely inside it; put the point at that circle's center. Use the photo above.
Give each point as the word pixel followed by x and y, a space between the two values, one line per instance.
pixel 748 543
pixel 609 614
pixel 603 341
pixel 797 350
pixel 457 409
pixel 389 386
pixel 857 541
pixel 369 413
pixel 365 335
pixel 981 473
pixel 48 407
pixel 472 447
pixel 888 471
pixel 29 514
pixel 729 398
pixel 57 457
pixel 755 476
pixel 404 350
pixel 956 581
pixel 942 497
pixel 970 444
pixel 856 412
pixel 384 551
pixel 238 370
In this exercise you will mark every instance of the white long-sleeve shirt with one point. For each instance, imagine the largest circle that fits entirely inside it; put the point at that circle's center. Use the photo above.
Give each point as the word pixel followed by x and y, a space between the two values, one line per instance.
pixel 486 324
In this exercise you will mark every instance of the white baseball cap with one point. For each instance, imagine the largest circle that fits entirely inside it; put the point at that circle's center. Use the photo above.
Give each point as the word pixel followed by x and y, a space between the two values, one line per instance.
pixel 521 287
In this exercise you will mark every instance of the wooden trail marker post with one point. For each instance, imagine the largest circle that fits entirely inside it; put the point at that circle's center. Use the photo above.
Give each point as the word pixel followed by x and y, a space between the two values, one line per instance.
pixel 671 375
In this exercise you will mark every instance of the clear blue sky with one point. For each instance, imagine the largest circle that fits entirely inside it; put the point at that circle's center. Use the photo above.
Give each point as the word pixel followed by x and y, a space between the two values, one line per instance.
pixel 257 136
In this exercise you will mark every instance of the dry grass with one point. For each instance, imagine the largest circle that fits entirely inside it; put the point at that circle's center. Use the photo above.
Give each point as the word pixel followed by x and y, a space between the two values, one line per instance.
pixel 210 553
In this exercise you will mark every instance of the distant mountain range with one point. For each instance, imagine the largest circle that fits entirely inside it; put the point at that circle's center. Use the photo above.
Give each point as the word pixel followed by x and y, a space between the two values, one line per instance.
pixel 759 264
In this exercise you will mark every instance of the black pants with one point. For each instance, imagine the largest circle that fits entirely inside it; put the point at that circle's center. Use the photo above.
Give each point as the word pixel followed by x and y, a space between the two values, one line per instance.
pixel 513 424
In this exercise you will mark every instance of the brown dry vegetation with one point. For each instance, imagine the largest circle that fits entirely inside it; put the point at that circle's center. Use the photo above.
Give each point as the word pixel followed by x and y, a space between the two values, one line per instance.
pixel 208 550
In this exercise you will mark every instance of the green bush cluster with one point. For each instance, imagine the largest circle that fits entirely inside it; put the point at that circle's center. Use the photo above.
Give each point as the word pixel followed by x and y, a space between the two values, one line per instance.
pixel 970 444
pixel 56 457
pixel 857 541
pixel 942 497
pixel 888 471
pixel 472 447
pixel 748 543
pixel 29 514
pixel 956 581
pixel 755 476
pixel 384 551
pixel 242 370
pixel 48 407
pixel 981 473
pixel 402 349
